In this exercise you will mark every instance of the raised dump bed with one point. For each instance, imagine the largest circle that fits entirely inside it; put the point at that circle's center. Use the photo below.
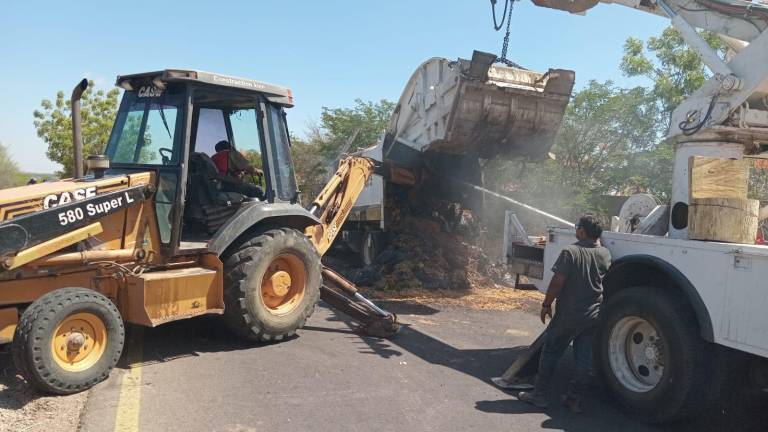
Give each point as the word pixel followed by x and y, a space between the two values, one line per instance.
pixel 477 109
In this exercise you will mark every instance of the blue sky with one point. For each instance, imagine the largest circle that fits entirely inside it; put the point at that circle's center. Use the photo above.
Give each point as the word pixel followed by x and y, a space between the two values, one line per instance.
pixel 328 52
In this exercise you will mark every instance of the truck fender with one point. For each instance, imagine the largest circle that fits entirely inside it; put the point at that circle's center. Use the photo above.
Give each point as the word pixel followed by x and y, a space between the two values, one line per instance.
pixel 251 214
pixel 652 269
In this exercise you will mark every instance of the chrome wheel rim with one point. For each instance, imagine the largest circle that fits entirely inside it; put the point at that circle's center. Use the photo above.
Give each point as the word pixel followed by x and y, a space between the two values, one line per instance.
pixel 636 354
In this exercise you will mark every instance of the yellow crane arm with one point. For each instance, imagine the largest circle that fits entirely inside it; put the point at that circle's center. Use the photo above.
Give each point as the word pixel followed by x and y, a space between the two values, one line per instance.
pixel 333 204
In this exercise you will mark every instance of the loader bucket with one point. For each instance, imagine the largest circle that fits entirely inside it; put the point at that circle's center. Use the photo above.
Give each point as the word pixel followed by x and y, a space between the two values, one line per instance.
pixel 478 109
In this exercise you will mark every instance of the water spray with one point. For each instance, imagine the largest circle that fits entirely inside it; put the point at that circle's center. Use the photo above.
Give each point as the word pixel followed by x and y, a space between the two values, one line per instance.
pixel 518 203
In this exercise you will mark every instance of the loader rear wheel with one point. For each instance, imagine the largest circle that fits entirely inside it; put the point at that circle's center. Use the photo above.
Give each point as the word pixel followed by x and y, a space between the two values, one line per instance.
pixel 652 357
pixel 68 340
pixel 271 285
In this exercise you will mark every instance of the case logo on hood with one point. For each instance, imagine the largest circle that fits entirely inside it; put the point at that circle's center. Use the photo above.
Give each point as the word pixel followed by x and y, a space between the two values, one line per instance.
pixel 67 197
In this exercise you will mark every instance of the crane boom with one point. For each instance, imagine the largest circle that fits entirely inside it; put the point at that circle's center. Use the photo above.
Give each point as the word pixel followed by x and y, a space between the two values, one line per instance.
pixel 732 105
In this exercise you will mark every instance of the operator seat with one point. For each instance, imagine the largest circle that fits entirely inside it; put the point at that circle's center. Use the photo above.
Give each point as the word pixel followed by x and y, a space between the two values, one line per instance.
pixel 208 206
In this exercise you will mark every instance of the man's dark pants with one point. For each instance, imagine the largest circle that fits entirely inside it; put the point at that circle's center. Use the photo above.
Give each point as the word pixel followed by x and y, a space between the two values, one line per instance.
pixel 560 334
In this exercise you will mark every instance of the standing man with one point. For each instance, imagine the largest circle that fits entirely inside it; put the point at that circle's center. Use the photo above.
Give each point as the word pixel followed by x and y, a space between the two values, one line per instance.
pixel 577 285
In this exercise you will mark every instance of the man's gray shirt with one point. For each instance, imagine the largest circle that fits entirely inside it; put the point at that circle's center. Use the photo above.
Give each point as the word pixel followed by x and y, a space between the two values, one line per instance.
pixel 584 264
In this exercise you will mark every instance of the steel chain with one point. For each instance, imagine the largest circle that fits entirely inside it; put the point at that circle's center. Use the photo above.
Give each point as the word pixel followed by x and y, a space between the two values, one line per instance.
pixel 505 46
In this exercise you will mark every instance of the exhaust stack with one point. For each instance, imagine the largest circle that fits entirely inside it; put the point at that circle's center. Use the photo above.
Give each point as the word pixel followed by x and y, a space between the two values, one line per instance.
pixel 77 134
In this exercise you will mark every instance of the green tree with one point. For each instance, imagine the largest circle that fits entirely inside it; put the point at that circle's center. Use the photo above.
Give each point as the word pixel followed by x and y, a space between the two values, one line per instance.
pixel 9 171
pixel 311 167
pixel 338 125
pixel 676 72
pixel 315 155
pixel 674 68
pixel 54 124
pixel 601 128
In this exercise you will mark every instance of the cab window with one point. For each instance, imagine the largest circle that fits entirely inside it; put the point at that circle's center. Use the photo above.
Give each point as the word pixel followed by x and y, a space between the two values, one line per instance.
pixel 146 131
pixel 285 182
pixel 211 129
pixel 245 135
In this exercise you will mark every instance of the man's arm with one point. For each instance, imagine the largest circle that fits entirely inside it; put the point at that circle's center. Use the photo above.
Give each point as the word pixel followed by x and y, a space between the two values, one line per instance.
pixel 242 164
pixel 553 291
pixel 562 268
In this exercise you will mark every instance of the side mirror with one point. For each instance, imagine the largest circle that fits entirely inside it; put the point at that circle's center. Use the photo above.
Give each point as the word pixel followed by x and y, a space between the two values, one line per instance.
pixel 97 164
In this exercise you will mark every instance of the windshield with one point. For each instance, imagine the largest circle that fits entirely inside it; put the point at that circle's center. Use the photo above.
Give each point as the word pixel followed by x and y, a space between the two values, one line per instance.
pixel 285 182
pixel 145 130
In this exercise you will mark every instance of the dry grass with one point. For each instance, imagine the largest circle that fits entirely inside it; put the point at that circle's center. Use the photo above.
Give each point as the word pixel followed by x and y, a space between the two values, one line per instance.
pixel 492 298
pixel 24 410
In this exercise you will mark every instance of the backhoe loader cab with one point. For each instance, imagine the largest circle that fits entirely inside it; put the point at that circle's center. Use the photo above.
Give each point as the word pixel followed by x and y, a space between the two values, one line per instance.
pixel 157 233
pixel 169 123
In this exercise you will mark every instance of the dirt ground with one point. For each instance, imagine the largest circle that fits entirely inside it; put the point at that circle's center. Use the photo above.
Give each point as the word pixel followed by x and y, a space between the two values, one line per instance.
pixel 24 410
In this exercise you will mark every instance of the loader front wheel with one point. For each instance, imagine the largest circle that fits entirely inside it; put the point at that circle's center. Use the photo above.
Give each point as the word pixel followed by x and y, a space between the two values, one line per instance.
pixel 272 284
pixel 68 340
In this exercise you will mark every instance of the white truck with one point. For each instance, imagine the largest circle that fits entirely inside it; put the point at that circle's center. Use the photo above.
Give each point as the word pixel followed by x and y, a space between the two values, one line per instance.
pixel 680 313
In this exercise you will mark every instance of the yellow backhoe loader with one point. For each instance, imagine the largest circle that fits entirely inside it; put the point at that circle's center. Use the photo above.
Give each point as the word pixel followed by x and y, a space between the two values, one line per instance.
pixel 157 232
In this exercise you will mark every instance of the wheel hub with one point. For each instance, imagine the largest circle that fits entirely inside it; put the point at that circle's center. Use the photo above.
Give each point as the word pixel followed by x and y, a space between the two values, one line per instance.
pixel 636 354
pixel 650 353
pixel 75 341
pixel 283 284
pixel 280 283
pixel 79 341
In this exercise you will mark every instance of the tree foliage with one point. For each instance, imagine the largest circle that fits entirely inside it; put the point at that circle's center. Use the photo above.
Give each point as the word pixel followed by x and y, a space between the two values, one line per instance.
pixel 316 154
pixel 9 171
pixel 54 124
pixel 675 70
pixel 337 125
pixel 311 167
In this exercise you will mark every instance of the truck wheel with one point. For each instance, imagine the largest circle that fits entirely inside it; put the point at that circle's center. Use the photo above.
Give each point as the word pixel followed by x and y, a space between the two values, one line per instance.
pixel 68 340
pixel 651 355
pixel 271 285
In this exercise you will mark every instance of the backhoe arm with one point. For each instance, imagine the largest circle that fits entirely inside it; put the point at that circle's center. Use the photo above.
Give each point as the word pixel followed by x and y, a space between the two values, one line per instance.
pixel 334 202
pixel 332 207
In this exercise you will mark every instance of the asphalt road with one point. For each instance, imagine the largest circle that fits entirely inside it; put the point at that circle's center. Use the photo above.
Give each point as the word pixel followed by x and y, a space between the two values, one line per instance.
pixel 432 377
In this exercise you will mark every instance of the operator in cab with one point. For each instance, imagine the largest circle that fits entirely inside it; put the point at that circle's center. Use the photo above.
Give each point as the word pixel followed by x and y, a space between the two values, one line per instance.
pixel 577 286
pixel 233 166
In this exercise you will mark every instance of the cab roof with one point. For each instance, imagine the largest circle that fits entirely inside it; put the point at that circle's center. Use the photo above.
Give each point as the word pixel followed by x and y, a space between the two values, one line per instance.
pixel 275 93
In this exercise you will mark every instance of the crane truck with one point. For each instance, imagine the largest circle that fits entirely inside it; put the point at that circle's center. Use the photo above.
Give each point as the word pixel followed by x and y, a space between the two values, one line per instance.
pixel 681 314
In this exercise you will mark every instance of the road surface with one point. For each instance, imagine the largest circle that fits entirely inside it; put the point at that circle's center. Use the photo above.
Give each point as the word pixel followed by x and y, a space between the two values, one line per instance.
pixel 187 376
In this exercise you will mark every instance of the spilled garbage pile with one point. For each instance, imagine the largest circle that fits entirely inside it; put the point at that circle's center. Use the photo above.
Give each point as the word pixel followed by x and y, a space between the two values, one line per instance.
pixel 434 245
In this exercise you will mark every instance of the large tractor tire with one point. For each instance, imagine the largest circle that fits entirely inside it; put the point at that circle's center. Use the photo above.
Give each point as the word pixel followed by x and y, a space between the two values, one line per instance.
pixel 651 355
pixel 271 285
pixel 68 340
